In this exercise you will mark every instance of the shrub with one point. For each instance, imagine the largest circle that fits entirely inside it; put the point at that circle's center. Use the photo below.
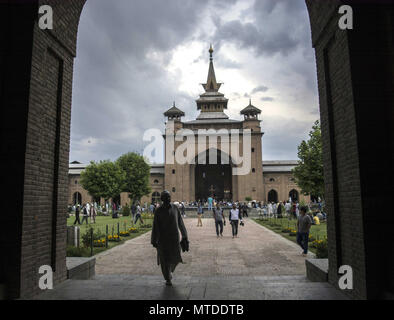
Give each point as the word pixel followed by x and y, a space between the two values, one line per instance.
pixel 248 199
pixel 125 211
pixel 97 235
pixel 146 226
pixel 77 252
pixel 321 249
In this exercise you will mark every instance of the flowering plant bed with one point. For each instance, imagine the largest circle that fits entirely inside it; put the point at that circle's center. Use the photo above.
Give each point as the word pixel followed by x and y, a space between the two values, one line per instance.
pixel 115 238
pixel 124 233
pixel 293 233
pixel 133 230
pixel 99 243
pixel 146 226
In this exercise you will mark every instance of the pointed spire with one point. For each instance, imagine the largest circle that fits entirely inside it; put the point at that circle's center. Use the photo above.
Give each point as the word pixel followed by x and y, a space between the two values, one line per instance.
pixel 211 84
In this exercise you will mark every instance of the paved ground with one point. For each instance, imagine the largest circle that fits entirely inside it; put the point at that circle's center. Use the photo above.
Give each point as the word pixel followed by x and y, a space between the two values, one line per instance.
pixel 257 252
pixel 259 264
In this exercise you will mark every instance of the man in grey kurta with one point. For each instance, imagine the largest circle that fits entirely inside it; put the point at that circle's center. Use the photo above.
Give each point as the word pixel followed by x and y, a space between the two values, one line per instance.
pixel 165 236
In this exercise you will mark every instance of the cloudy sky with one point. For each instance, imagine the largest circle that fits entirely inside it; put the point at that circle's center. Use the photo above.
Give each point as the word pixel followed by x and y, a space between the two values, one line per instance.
pixel 135 58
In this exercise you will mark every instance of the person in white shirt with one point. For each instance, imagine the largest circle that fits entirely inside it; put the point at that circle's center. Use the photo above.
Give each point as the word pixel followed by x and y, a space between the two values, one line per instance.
pixel 234 218
pixel 269 209
pixel 138 215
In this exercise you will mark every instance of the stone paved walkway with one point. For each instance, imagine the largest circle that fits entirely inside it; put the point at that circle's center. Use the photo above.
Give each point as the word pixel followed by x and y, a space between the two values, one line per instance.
pixel 258 265
pixel 257 252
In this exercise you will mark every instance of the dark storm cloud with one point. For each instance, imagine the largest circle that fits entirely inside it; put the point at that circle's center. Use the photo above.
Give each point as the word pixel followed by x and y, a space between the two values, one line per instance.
pixel 280 27
pixel 120 90
pixel 121 86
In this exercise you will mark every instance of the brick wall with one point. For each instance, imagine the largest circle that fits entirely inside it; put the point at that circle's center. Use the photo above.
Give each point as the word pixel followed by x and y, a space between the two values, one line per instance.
pixel 37 97
pixel 356 116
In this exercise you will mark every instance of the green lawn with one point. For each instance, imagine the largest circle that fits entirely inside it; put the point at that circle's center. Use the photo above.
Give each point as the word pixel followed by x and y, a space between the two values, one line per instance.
pixel 100 225
pixel 318 232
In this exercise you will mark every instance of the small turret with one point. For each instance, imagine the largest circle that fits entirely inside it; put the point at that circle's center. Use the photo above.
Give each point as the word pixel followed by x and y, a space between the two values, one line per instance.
pixel 174 113
pixel 250 112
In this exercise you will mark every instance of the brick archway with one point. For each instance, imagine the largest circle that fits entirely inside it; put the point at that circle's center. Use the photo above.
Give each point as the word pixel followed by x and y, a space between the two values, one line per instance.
pixel 357 125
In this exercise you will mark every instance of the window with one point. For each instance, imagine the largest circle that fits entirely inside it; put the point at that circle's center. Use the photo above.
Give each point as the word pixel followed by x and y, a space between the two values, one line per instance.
pixel 252 149
pixel 173 171
pixel 272 179
pixel 76 181
pixel 156 181
pixel 173 189
pixel 253 170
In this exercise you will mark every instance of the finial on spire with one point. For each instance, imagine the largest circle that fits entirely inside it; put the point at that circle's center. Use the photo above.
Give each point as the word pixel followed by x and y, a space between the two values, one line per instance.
pixel 250 101
pixel 173 104
pixel 210 52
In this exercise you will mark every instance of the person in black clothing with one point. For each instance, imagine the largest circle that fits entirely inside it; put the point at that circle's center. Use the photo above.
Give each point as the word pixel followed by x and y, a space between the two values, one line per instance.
pixel 85 214
pixel 77 215
pixel 165 236
pixel 244 210
pixel 133 210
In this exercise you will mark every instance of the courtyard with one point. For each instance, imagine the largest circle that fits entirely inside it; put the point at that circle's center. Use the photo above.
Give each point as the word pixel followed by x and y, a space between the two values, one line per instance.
pixel 259 264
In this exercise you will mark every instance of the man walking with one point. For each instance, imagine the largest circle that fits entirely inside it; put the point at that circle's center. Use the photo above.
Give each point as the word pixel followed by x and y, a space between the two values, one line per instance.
pixel 210 201
pixel 138 214
pixel 219 219
pixel 93 214
pixel 85 214
pixel 234 218
pixel 77 215
pixel 165 236
pixel 303 226
pixel 133 211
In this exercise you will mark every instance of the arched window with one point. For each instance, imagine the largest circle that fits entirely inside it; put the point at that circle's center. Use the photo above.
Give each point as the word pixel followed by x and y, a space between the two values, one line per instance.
pixel 173 189
pixel 156 181
pixel 272 180
pixel 173 171
pixel 155 197
pixel 253 170
pixel 272 196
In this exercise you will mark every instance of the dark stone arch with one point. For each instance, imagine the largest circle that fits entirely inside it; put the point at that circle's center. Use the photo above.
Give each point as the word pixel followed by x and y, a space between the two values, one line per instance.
pixel 77 198
pixel 272 196
pixel 294 195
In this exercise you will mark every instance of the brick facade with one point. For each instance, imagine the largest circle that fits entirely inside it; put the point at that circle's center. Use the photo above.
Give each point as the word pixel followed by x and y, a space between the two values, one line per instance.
pixel 36 79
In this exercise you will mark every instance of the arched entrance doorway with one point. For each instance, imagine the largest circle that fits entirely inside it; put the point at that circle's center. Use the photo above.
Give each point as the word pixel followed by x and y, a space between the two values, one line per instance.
pixel 77 198
pixel 272 196
pixel 213 179
pixel 293 194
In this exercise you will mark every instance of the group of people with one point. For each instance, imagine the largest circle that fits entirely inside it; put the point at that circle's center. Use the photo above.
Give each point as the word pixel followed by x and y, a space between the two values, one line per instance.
pixel 236 213
pixel 88 210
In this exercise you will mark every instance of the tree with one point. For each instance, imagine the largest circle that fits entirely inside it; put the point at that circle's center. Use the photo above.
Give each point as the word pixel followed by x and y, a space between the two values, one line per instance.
pixel 308 173
pixel 103 179
pixel 137 172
